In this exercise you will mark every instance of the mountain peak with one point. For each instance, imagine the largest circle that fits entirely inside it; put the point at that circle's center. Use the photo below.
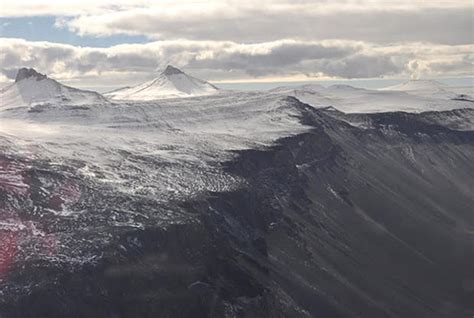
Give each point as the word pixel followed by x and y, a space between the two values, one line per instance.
pixel 170 70
pixel 28 73
pixel 32 88
pixel 171 83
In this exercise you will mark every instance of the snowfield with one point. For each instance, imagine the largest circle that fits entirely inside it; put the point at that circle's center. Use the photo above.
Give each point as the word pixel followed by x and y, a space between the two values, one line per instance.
pixel 188 133
pixel 151 153
pixel 413 96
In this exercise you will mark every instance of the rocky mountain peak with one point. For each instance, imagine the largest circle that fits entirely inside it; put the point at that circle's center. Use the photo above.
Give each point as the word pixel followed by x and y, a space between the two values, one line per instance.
pixel 171 70
pixel 24 73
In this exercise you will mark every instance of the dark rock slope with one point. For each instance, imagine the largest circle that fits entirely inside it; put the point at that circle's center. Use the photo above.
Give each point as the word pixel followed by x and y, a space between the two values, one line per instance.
pixel 341 221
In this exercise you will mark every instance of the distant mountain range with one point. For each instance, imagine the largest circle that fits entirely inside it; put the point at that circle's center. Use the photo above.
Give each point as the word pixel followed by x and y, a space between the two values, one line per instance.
pixel 32 89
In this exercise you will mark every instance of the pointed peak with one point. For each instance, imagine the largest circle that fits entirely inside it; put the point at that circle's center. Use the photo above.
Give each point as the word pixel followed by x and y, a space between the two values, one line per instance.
pixel 28 73
pixel 170 70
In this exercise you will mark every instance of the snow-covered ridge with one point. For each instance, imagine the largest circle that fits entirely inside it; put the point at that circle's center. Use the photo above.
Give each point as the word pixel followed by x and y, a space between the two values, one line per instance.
pixel 32 88
pixel 171 83
pixel 414 96
pixel 417 85
pixel 192 130
pixel 428 88
pixel 157 151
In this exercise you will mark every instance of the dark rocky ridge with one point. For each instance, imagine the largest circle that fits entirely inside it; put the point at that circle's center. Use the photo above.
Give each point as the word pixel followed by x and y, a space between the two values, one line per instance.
pixel 170 70
pixel 28 73
pixel 337 222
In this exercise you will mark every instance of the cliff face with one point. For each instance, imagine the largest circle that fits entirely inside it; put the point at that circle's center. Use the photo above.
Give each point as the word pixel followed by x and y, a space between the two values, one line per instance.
pixel 370 223
pixel 342 221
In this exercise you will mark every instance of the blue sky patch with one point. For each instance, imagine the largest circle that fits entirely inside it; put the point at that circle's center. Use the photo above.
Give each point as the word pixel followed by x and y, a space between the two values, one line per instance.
pixel 43 29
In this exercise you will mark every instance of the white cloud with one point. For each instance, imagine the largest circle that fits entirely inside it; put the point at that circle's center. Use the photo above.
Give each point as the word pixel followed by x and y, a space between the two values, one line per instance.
pixel 21 8
pixel 224 60
pixel 16 8
pixel 259 23
pixel 437 21
pixel 230 39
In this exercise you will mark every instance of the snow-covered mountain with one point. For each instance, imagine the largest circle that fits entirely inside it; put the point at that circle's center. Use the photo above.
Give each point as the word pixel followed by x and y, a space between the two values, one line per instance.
pixel 32 88
pixel 416 96
pixel 427 88
pixel 171 83
pixel 235 201
pixel 417 85
pixel 228 200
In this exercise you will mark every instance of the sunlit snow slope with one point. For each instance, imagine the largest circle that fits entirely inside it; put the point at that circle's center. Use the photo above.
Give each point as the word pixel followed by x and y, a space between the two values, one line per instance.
pixel 32 88
pixel 417 96
pixel 425 88
pixel 153 152
pixel 171 83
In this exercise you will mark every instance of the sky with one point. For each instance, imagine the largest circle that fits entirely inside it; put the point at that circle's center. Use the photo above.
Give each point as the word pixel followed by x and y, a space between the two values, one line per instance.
pixel 104 43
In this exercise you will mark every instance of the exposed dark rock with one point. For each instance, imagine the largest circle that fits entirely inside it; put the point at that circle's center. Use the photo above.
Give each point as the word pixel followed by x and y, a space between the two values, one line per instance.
pixel 170 70
pixel 28 73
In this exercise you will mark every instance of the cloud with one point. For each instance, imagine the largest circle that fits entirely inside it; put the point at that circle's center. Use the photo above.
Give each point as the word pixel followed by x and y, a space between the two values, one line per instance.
pixel 16 8
pixel 271 57
pixel 247 39
pixel 361 66
pixel 21 8
pixel 224 60
pixel 447 26
pixel 249 21
pixel 461 65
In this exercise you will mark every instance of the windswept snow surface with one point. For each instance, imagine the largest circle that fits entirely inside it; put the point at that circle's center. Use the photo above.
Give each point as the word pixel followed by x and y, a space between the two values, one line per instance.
pixel 80 159
pixel 171 83
pixel 428 88
pixel 31 88
pixel 423 97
